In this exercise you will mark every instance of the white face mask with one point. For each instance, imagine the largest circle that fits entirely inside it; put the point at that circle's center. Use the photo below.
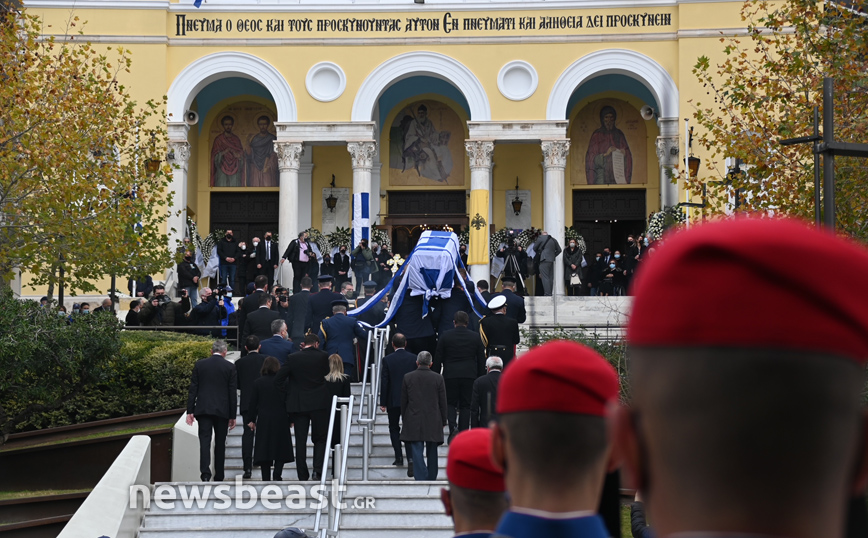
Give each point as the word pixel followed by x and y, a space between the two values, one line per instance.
pixel 243 247
pixel 256 243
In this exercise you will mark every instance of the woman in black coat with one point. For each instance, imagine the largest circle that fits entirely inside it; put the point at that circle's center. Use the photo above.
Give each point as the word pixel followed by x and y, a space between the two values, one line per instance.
pixel 266 415
pixel 337 384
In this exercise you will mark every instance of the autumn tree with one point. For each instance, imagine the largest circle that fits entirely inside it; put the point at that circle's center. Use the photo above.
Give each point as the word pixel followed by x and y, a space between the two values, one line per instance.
pixel 83 174
pixel 764 90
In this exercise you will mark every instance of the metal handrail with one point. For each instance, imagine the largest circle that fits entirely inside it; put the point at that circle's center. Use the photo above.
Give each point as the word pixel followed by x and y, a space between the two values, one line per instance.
pixel 366 423
pixel 339 496
pixel 340 448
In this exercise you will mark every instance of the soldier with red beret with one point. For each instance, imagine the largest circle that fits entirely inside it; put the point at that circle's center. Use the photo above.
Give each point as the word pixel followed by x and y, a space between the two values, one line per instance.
pixel 747 373
pixel 552 442
pixel 476 496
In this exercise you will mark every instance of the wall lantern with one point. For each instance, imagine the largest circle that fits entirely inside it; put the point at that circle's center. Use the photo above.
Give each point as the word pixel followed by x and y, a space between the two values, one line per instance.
pixel 516 202
pixel 332 201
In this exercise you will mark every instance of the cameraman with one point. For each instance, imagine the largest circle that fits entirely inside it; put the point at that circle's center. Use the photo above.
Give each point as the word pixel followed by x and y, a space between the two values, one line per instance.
pixel 210 311
pixel 509 252
pixel 282 300
pixel 162 311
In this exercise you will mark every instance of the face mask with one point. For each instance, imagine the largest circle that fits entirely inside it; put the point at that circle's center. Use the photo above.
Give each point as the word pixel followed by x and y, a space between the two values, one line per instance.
pixel 348 295
pixel 611 266
pixel 228 295
pixel 228 236
pixel 75 310
pixel 598 258
pixel 646 242
pixel 572 245
pixel 617 256
pixel 343 251
pixel 268 238
pixel 188 258
pixel 85 311
pixel 256 243
pixel 630 241
pixel 243 247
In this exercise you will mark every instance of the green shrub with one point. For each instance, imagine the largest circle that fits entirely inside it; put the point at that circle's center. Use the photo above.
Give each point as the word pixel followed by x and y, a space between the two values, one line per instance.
pixel 150 373
pixel 59 370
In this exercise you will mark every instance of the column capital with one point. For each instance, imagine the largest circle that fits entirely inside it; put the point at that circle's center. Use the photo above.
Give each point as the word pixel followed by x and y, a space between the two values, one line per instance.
pixel 288 155
pixel 480 152
pixel 363 154
pixel 179 153
pixel 555 153
pixel 668 148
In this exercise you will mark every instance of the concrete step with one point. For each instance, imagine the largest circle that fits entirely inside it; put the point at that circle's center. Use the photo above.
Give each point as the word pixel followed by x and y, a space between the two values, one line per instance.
pixel 227 532
pixel 398 532
pixel 219 519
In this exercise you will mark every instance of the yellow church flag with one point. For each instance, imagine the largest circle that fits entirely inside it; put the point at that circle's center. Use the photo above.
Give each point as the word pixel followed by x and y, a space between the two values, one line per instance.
pixel 478 227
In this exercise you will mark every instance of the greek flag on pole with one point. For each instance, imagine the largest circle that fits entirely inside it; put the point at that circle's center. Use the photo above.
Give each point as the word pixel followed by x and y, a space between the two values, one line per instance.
pixel 361 217
pixel 429 270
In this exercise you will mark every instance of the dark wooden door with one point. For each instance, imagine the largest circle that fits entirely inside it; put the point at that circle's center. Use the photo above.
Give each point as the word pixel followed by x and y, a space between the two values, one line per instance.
pixel 247 214
pixel 605 217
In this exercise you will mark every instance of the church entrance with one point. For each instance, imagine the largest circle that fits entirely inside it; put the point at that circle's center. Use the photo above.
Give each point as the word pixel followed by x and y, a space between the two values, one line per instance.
pixel 606 217
pixel 248 215
pixel 412 212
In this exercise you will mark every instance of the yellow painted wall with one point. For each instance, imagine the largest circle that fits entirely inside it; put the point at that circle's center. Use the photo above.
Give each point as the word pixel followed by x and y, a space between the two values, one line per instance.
pixel 524 161
pixel 328 160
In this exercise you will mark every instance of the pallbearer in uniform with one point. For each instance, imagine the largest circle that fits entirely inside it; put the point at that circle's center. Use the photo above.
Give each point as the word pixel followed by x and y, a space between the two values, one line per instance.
pixel 552 442
pixel 514 303
pixel 320 303
pixel 336 336
pixel 499 332
pixel 747 374
pixel 376 313
pixel 475 499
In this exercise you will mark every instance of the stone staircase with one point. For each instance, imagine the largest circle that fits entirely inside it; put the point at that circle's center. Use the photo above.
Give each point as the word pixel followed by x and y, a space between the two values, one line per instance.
pixel 389 504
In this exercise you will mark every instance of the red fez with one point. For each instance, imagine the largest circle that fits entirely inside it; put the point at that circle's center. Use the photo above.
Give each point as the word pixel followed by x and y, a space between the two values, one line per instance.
pixel 559 376
pixel 469 464
pixel 753 283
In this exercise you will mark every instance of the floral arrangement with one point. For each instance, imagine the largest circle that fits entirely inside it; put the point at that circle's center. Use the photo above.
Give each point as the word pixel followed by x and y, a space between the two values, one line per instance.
pixel 341 236
pixel 321 240
pixel 206 244
pixel 661 221
pixel 527 237
pixel 497 238
pixel 381 238
pixel 464 237
pixel 573 234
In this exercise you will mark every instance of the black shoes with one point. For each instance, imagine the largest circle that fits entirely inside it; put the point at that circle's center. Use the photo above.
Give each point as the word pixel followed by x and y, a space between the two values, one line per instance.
pixel 410 468
pixel 247 474
pixel 399 462
pixel 315 477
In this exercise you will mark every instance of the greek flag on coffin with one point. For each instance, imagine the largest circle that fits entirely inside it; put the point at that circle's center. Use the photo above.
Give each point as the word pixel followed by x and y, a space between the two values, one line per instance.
pixel 430 271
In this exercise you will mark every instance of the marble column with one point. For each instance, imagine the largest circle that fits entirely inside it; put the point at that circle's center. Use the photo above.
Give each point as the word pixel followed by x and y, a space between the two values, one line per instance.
pixel 176 226
pixel 554 163
pixel 479 152
pixel 363 163
pixel 668 150
pixel 288 159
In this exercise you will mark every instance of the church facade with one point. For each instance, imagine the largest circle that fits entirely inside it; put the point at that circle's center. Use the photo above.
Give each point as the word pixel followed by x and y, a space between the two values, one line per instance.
pixel 406 115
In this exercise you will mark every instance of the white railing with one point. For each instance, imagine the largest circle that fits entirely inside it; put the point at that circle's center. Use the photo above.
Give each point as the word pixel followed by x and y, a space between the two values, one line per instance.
pixel 341 451
pixel 378 339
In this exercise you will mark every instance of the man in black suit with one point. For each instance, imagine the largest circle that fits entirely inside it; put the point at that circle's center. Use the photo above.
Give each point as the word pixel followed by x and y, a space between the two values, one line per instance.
pixel 482 287
pixel 299 255
pixel 267 259
pixel 212 401
pixel 251 302
pixel 395 366
pixel 259 321
pixel 484 396
pixel 302 377
pixel 514 303
pixel 499 332
pixel 320 304
pixel 461 355
pixel 444 313
pixel 341 264
pixel 418 330
pixel 299 320
pixel 247 369
pixel 278 346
